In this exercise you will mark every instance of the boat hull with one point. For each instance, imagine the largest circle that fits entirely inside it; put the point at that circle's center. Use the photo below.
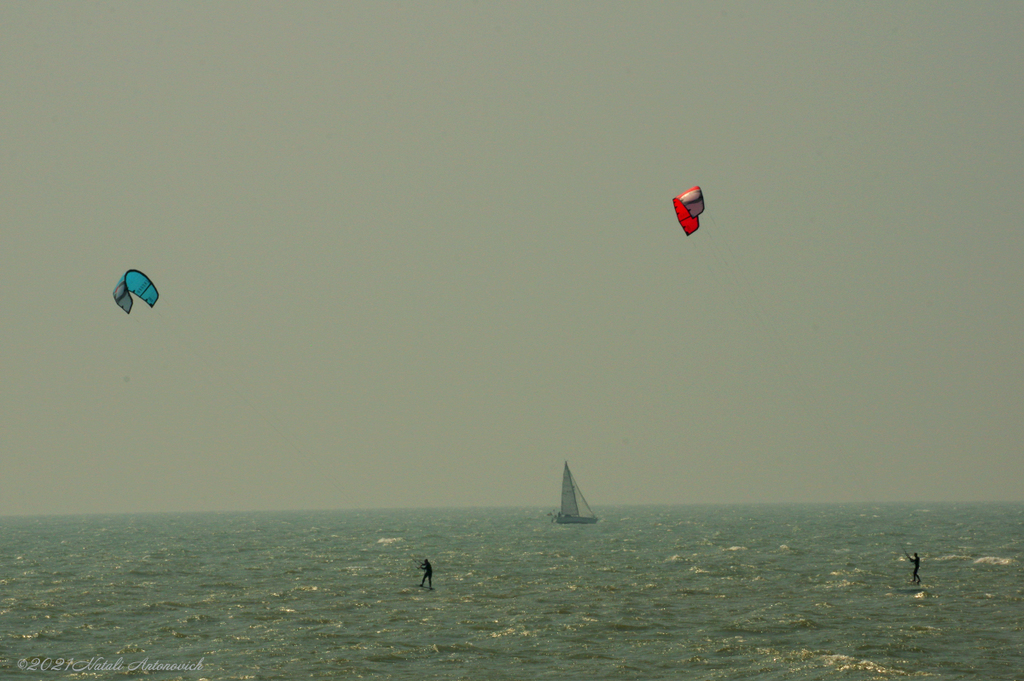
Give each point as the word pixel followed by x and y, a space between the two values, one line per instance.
pixel 574 520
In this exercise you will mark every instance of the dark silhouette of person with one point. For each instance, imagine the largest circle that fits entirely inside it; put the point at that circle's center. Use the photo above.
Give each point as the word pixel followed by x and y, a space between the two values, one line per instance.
pixel 428 573
pixel 916 579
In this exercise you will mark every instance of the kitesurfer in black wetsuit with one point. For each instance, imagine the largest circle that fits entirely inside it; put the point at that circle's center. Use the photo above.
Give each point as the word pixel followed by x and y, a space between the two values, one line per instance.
pixel 428 573
pixel 916 579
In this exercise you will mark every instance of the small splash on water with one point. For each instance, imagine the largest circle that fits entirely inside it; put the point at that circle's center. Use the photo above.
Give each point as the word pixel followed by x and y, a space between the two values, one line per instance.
pixel 388 540
pixel 993 560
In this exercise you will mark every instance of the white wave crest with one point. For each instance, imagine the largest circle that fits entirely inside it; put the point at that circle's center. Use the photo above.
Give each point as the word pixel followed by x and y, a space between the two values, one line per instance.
pixel 847 663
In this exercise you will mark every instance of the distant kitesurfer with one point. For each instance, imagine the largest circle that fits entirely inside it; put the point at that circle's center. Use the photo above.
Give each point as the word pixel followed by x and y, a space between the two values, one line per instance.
pixel 427 573
pixel 916 579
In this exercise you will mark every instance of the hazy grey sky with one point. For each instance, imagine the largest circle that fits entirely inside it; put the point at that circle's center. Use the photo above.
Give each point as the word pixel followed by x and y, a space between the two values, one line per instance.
pixel 418 254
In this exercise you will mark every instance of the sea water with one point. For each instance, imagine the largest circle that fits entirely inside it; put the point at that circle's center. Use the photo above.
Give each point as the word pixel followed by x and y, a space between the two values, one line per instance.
pixel 689 592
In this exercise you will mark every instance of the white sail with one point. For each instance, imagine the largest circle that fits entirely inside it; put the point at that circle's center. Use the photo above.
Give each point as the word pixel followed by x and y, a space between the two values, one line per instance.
pixel 569 506
pixel 583 508
pixel 575 508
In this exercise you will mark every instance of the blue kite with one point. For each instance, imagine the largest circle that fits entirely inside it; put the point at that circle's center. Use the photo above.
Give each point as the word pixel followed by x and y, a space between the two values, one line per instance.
pixel 138 283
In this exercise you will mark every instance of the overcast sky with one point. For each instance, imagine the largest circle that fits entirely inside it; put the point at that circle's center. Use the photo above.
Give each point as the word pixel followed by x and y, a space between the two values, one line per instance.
pixel 419 254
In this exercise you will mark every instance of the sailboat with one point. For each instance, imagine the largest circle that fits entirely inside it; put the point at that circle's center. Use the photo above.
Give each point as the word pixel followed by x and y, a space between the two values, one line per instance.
pixel 574 507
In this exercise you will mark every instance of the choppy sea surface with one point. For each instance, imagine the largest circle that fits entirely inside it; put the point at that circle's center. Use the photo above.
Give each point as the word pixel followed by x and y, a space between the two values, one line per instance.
pixel 688 592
